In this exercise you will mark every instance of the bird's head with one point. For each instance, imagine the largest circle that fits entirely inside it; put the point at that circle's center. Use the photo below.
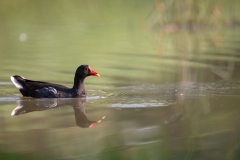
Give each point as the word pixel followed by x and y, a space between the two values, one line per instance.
pixel 86 70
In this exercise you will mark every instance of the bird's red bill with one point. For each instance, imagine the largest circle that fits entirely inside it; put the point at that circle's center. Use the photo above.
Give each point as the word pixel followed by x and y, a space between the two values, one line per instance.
pixel 92 72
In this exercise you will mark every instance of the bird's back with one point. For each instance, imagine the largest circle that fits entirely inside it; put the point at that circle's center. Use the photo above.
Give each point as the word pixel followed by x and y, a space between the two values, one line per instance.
pixel 40 89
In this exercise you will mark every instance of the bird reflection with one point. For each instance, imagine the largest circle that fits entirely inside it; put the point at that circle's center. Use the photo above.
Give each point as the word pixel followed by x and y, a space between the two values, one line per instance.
pixel 30 105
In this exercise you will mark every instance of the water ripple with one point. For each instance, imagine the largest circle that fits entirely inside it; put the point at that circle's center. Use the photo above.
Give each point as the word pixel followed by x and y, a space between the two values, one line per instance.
pixel 138 105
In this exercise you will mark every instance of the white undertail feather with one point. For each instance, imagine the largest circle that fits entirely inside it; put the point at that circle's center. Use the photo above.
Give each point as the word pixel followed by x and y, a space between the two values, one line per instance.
pixel 16 83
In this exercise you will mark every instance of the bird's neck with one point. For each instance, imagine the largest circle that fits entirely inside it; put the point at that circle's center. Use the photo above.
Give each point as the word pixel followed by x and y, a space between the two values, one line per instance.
pixel 79 85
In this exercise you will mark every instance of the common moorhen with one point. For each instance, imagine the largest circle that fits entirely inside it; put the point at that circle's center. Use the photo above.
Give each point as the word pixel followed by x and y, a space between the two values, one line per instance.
pixel 39 89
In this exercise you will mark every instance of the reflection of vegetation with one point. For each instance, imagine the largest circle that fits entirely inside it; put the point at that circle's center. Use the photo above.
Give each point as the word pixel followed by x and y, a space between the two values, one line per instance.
pixel 200 43
pixel 194 15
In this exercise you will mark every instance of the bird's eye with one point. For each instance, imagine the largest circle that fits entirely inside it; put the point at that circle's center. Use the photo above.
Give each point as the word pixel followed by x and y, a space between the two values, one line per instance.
pixel 85 70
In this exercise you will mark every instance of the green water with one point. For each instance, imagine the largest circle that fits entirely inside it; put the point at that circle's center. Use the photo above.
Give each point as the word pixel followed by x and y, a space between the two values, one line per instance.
pixel 169 85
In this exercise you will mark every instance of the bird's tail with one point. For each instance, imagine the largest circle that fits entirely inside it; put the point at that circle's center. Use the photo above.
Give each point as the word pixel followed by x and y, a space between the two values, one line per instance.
pixel 18 81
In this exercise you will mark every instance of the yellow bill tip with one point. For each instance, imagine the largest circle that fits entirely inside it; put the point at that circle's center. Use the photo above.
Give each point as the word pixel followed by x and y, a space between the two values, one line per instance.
pixel 98 75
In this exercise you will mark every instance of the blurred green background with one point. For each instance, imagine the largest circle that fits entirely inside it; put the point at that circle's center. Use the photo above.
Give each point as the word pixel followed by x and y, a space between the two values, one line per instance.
pixel 145 45
pixel 127 41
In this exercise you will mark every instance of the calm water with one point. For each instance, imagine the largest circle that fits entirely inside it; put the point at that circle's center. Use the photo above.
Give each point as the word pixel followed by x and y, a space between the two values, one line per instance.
pixel 166 121
pixel 166 91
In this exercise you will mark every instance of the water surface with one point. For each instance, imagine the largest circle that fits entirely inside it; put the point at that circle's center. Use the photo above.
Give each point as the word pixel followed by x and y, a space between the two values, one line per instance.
pixel 185 120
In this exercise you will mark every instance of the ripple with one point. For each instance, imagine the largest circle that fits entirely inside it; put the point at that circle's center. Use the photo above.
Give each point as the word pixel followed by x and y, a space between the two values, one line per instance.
pixel 8 99
pixel 6 83
pixel 95 97
pixel 138 105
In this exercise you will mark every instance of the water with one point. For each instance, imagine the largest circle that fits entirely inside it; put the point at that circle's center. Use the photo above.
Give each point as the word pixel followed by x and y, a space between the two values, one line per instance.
pixel 166 91
pixel 184 120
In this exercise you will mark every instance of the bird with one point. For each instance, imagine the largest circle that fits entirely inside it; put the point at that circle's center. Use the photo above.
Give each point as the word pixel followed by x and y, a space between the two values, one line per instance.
pixel 40 89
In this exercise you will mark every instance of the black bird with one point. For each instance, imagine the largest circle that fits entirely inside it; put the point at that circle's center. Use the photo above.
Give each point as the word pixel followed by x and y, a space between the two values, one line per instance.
pixel 39 89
